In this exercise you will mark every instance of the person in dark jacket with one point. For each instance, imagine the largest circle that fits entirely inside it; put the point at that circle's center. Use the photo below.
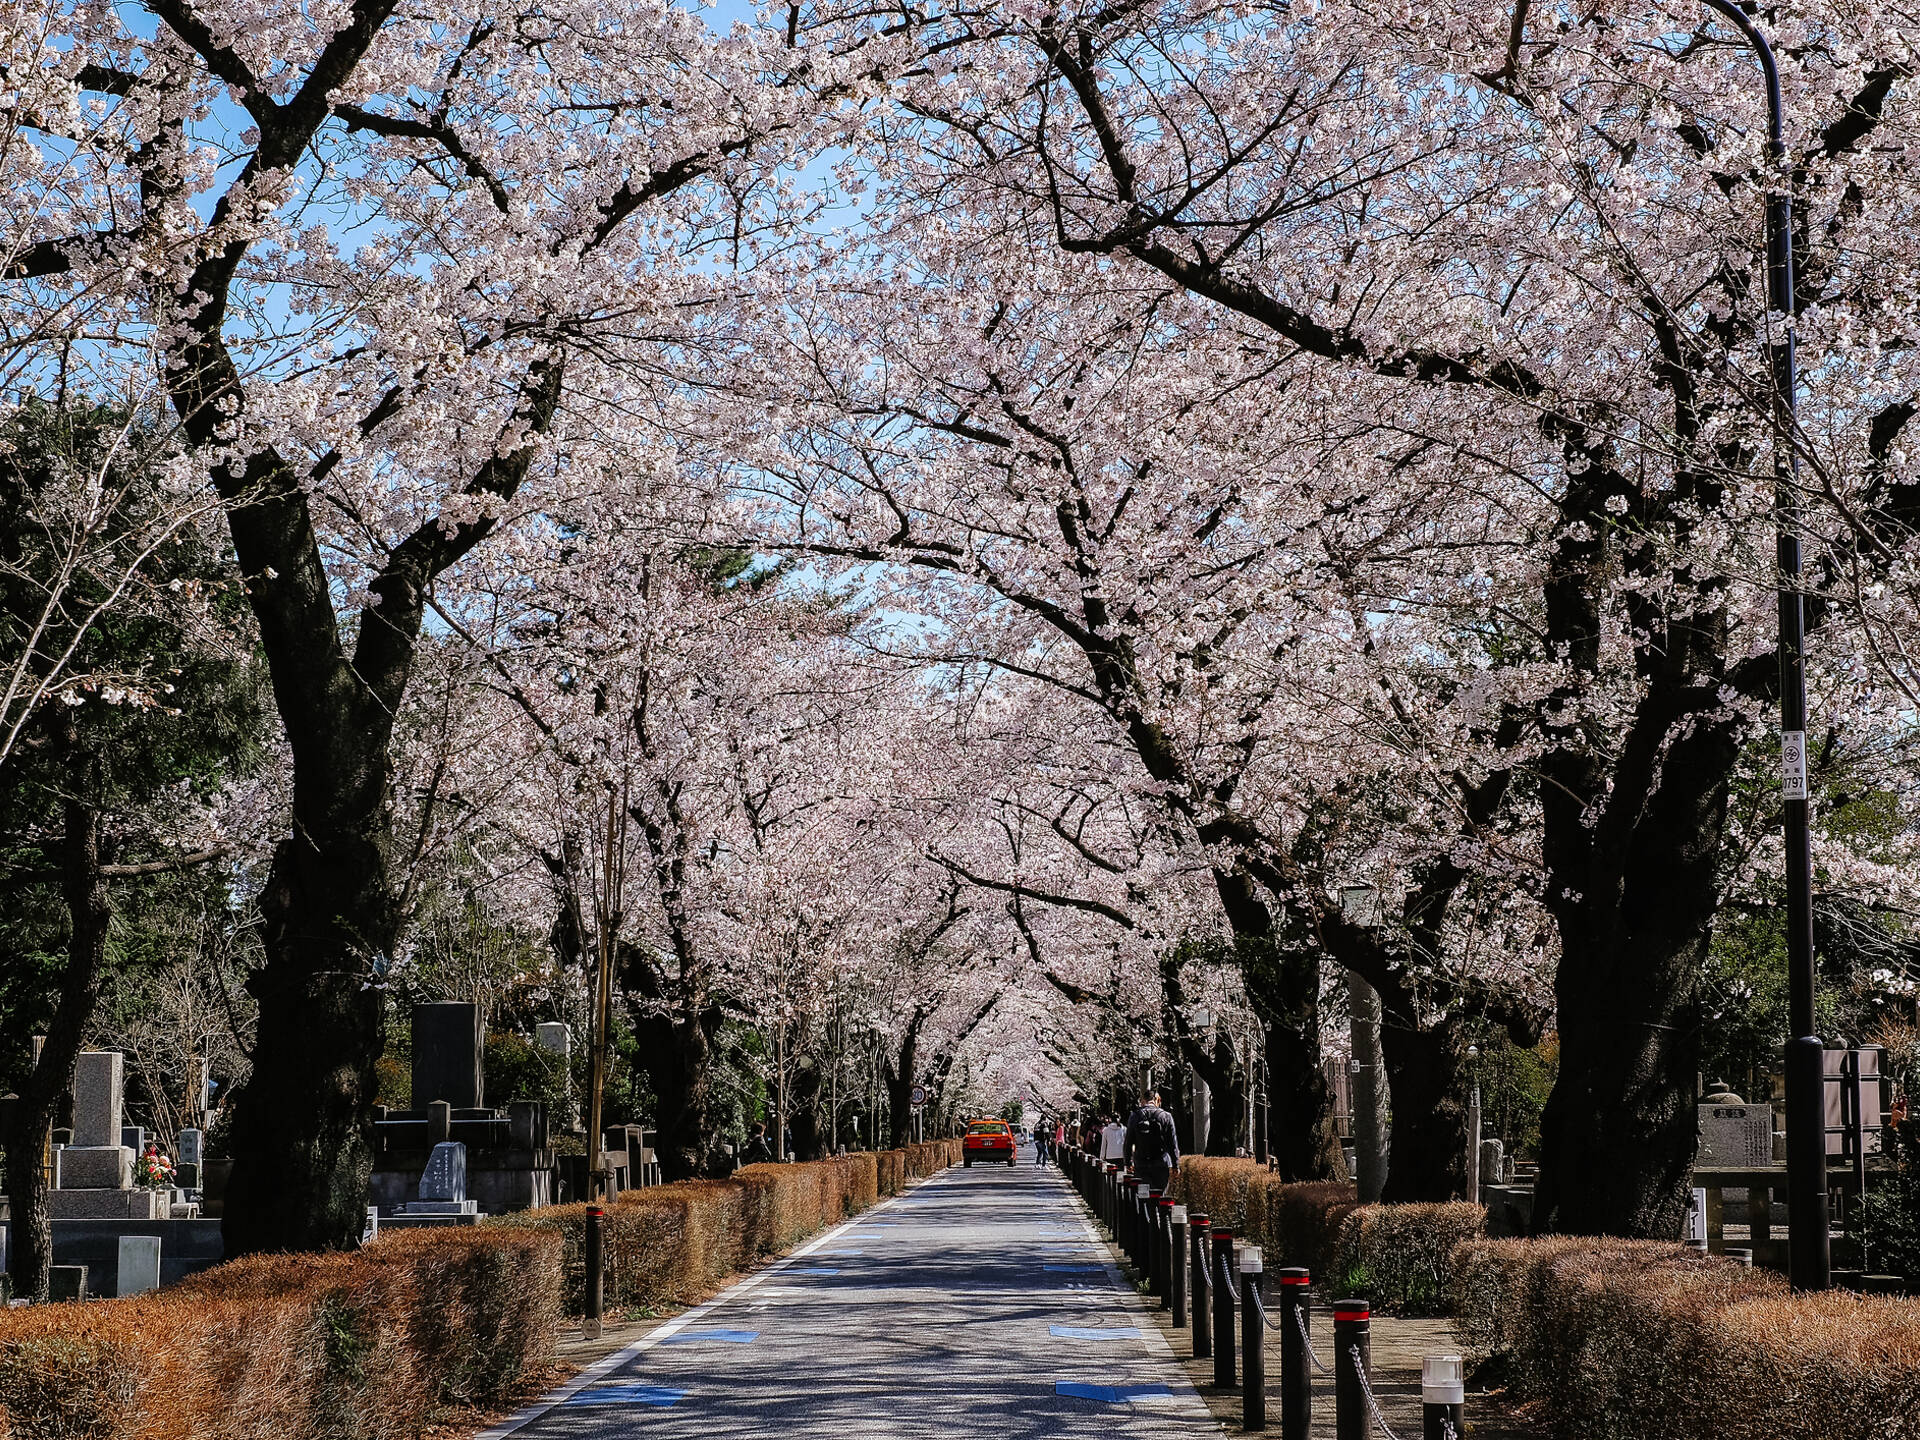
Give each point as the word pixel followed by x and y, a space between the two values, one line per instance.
pixel 758 1151
pixel 1153 1150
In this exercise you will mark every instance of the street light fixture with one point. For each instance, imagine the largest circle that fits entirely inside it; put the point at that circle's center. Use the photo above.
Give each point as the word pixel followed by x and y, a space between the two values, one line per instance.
pixel 1809 1260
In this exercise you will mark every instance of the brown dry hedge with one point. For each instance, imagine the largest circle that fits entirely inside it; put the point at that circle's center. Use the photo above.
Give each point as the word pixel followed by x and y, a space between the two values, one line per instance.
pixel 371 1345
pixel 1399 1257
pixel 1643 1340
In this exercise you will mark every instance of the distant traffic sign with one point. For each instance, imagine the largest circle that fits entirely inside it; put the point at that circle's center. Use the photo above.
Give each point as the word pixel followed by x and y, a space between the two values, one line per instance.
pixel 919 1096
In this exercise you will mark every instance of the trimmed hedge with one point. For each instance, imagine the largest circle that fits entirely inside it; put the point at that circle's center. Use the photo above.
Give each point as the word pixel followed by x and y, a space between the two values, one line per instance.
pixel 1640 1340
pixel 1398 1256
pixel 364 1345
pixel 367 1346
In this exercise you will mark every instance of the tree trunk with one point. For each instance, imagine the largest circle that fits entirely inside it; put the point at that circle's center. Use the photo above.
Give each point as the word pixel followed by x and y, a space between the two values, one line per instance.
pixel 1618 1135
pixel 1284 986
pixel 899 1078
pixel 803 1108
pixel 1370 1092
pixel 1427 1160
pixel 302 1127
pixel 30 1254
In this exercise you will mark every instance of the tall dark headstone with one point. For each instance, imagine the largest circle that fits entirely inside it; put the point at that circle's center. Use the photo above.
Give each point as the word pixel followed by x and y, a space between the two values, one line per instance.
pixel 447 1046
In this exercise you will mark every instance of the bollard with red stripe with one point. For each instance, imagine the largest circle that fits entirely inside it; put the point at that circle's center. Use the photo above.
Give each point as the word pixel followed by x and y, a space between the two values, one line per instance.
pixel 1223 1308
pixel 1200 1239
pixel 596 1271
pixel 1253 1349
pixel 1296 1382
pixel 1352 1355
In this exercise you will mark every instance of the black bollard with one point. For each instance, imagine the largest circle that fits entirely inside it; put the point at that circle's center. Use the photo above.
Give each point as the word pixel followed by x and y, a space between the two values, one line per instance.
pixel 1296 1382
pixel 1253 1350
pixel 1222 1278
pixel 1177 1262
pixel 1156 1257
pixel 1129 1218
pixel 1200 1239
pixel 1443 1398
pixel 596 1272
pixel 1352 1354
pixel 1170 1258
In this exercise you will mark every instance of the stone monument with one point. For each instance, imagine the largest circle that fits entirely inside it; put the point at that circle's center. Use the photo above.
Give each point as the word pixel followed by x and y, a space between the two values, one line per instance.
pixel 95 1179
pixel 1735 1137
pixel 443 1184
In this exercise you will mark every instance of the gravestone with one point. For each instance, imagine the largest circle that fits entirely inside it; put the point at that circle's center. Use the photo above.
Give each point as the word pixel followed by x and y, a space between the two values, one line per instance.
pixel 188 1146
pixel 557 1036
pixel 1493 1162
pixel 447 1048
pixel 94 1176
pixel 445 1177
pixel 1735 1137
pixel 97 1083
pixel 443 1185
pixel 134 1137
pixel 139 1265
pixel 67 1282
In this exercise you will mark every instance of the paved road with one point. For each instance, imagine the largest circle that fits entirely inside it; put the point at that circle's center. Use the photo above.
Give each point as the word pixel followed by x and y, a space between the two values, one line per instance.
pixel 978 1304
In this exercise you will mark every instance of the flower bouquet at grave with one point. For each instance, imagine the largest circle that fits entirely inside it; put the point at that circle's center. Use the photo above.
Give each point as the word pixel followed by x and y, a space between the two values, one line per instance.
pixel 153 1171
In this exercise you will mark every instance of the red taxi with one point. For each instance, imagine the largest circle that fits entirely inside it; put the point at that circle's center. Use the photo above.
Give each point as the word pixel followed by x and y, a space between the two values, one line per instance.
pixel 987 1140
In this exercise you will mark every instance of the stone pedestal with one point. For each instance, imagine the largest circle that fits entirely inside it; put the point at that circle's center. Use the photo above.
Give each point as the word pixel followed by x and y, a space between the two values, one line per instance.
pixel 107 1204
pixel 96 1167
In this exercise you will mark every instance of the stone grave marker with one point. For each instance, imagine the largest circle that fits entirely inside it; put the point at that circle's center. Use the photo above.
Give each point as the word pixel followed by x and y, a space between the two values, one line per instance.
pixel 443 1184
pixel 67 1282
pixel 97 1082
pixel 134 1137
pixel 94 1175
pixel 447 1047
pixel 139 1264
pixel 188 1145
pixel 1735 1137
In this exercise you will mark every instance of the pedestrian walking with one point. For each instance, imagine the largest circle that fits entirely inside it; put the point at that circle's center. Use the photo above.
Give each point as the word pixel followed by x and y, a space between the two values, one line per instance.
pixel 1113 1142
pixel 1153 1149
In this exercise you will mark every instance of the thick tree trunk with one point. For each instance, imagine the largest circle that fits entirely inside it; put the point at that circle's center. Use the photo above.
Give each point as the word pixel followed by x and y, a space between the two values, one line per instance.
pixel 1633 893
pixel 1428 1155
pixel 302 1127
pixel 1618 1135
pixel 899 1078
pixel 803 1113
pixel 30 1253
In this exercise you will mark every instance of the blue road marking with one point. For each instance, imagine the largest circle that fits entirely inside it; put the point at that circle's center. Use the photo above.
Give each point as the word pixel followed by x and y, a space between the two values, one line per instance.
pixel 1073 1269
pixel 839 1254
pixel 1110 1394
pixel 656 1395
pixel 730 1337
pixel 813 1270
pixel 1076 1332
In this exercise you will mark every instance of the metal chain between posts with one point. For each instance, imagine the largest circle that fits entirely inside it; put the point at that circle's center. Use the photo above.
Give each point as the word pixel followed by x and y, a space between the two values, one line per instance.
pixel 1226 1279
pixel 1373 1405
pixel 1300 1323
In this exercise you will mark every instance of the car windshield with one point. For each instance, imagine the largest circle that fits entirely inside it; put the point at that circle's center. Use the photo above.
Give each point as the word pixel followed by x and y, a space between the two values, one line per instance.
pixel 986 1129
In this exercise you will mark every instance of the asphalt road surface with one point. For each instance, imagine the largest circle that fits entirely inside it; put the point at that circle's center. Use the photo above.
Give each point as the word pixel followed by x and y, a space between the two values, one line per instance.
pixel 978 1304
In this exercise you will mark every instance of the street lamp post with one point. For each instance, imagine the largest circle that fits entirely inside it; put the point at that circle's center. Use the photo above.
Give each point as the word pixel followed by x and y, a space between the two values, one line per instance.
pixel 1143 1052
pixel 1808 1258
